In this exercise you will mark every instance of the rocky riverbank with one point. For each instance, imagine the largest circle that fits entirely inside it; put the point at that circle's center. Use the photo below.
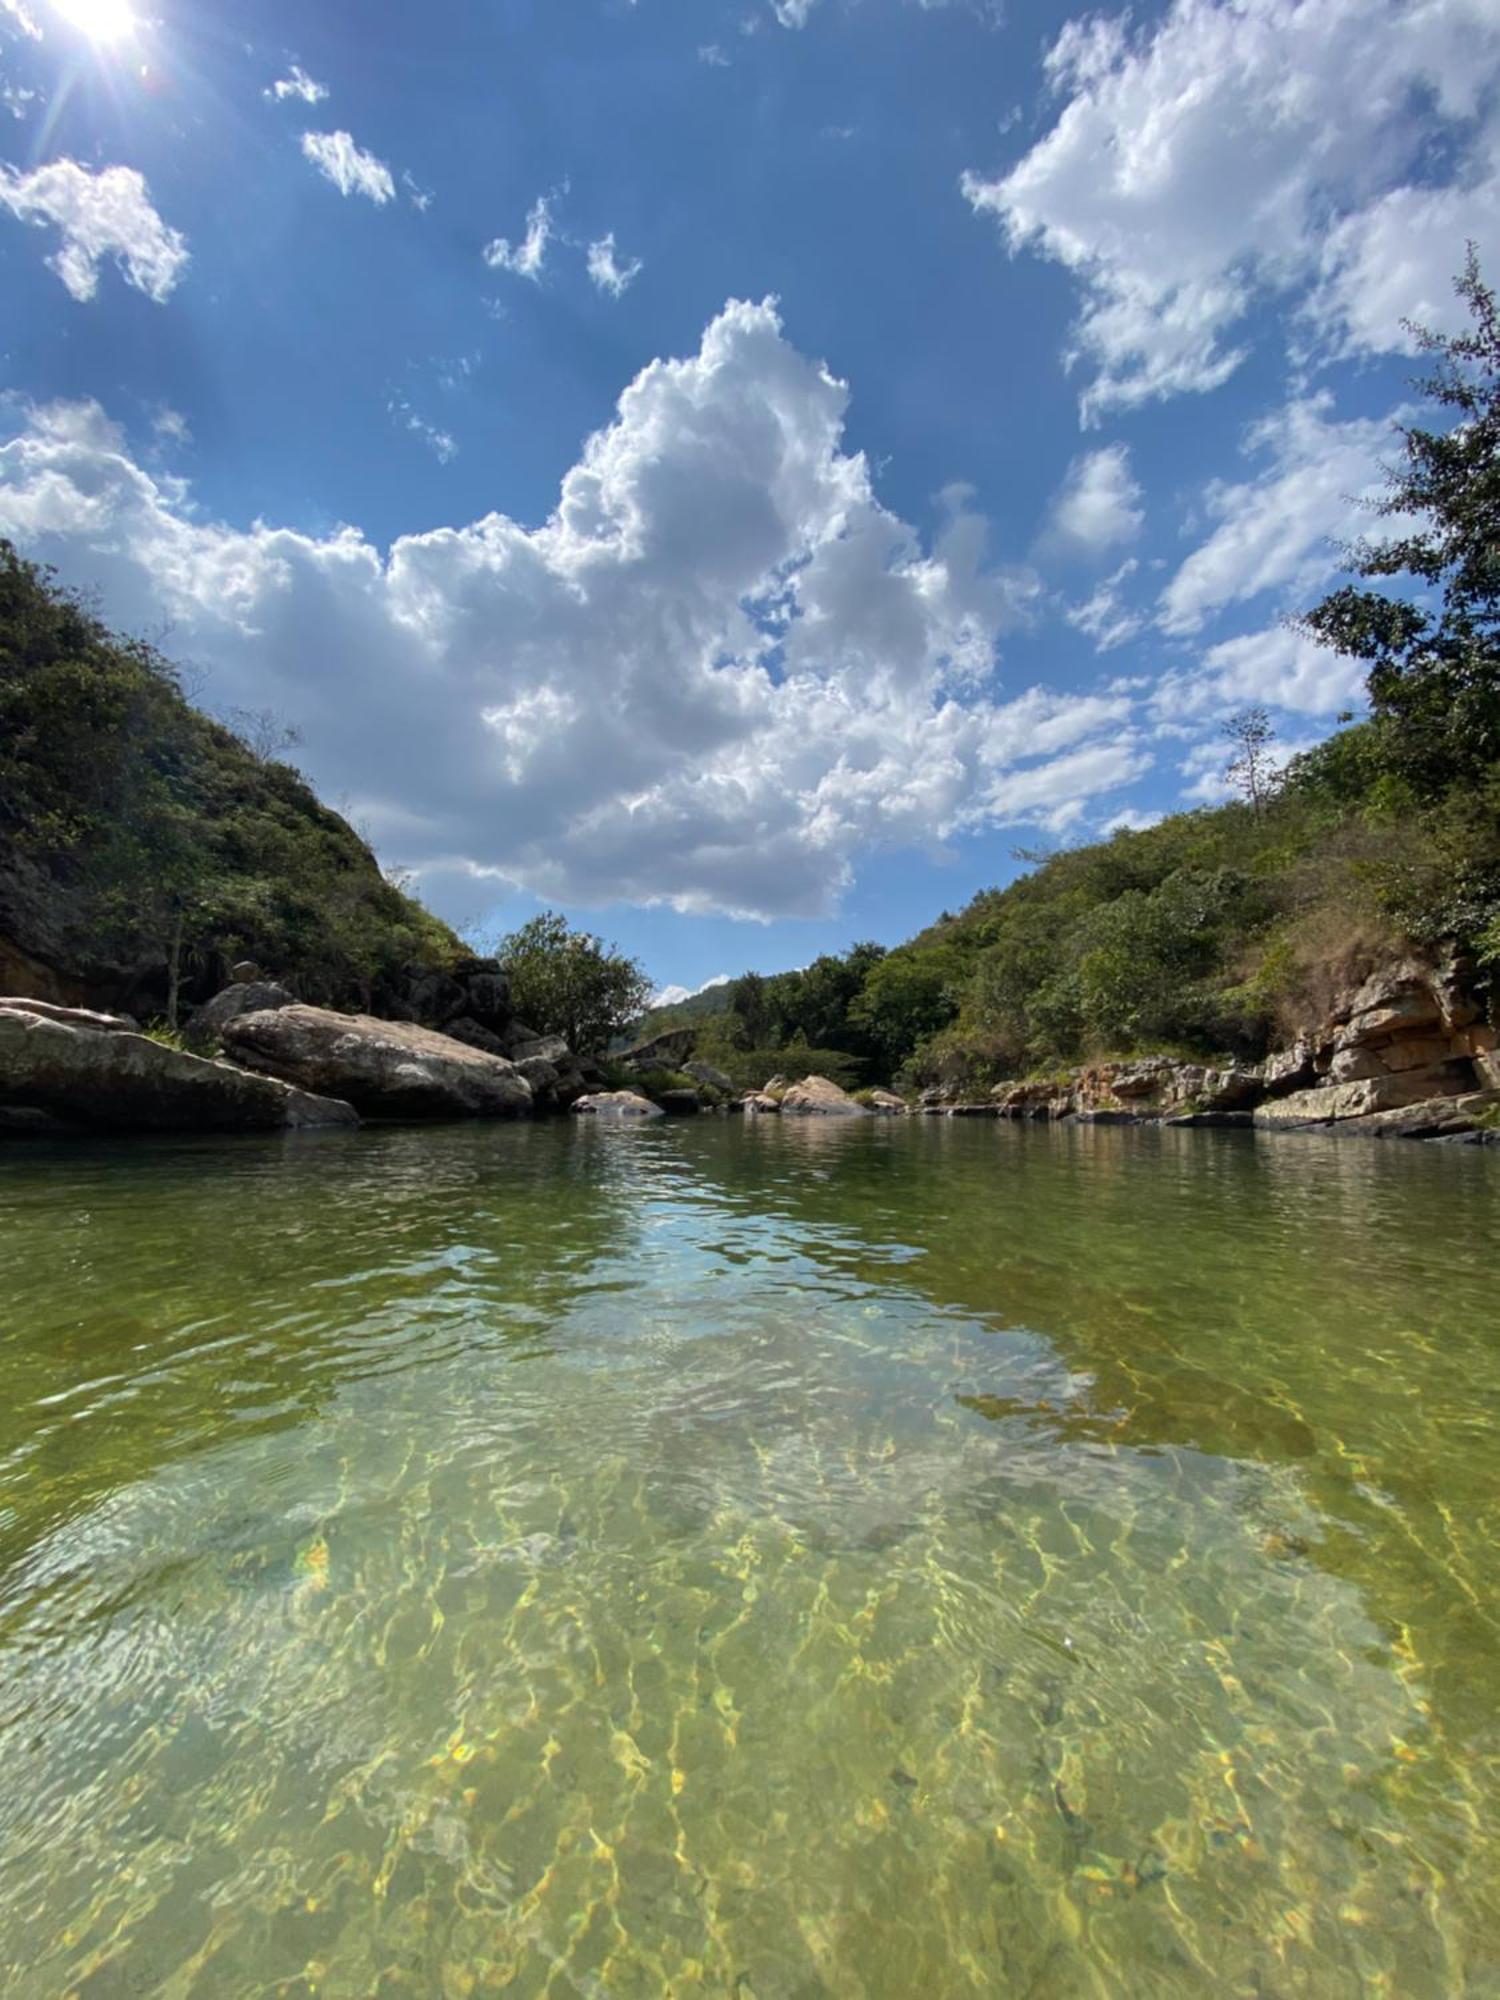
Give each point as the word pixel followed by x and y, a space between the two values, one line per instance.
pixel 1406 1054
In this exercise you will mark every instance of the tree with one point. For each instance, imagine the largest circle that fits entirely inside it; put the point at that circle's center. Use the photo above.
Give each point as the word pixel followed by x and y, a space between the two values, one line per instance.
pixel 570 983
pixel 1252 768
pixel 1434 665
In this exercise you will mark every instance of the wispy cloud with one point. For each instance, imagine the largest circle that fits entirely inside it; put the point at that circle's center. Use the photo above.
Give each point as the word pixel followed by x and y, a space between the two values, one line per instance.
pixel 527 257
pixel 351 170
pixel 606 272
pixel 297 83
pixel 442 444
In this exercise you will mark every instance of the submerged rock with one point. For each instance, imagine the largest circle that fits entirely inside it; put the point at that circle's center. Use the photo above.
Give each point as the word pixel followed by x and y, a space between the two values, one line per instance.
pixel 617 1104
pixel 386 1069
pixel 817 1096
pixel 112 1078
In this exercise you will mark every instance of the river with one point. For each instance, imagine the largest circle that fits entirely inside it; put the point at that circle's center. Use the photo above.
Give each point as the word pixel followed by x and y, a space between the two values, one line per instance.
pixel 763 1558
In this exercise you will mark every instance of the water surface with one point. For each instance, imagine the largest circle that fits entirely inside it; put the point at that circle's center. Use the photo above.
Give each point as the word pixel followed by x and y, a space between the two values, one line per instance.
pixel 755 1559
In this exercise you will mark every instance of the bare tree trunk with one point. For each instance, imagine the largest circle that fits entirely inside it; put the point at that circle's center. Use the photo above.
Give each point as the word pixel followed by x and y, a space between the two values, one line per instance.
pixel 174 971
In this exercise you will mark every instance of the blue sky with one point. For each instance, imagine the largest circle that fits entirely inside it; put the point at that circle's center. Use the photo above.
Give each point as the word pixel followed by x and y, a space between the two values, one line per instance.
pixel 732 471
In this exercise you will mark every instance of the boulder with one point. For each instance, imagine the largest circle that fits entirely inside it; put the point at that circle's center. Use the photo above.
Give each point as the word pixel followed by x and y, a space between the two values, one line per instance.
pixel 665 1051
pixel 476 1036
pixel 887 1103
pixel 816 1096
pixel 245 972
pixel 759 1101
pixel 386 1069
pixel 115 1079
pixel 205 1027
pixel 704 1072
pixel 617 1104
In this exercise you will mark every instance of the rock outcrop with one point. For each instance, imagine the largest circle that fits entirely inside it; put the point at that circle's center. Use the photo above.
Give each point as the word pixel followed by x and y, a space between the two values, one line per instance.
pixel 1405 1054
pixel 816 1096
pixel 97 1072
pixel 887 1103
pixel 665 1051
pixel 386 1069
pixel 617 1104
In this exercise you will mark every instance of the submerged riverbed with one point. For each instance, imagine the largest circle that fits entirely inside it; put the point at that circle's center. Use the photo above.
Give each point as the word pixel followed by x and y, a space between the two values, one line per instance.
pixel 753 1558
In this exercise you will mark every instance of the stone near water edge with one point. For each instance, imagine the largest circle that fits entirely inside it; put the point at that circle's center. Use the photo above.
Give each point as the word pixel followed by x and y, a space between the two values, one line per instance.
pixel 119 1080
pixel 386 1069
pixel 887 1104
pixel 817 1096
pixel 758 1103
pixel 626 1104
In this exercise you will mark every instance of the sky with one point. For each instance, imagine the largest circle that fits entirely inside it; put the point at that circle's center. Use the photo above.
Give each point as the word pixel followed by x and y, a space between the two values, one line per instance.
pixel 737 471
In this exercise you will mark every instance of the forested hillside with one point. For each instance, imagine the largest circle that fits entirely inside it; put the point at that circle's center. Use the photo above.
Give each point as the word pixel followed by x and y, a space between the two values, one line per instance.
pixel 144 846
pixel 1219 931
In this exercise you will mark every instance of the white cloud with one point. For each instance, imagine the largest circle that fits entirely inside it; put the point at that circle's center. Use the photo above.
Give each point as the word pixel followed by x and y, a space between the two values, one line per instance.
pixel 609 275
pixel 24 19
pixel 1104 616
pixel 351 170
pixel 103 214
pixel 1276 668
pixel 1282 531
pixel 15 99
pixel 673 996
pixel 713 56
pixel 1133 820
pixel 1238 148
pixel 297 83
pixel 1100 502
pixel 715 676
pixel 525 258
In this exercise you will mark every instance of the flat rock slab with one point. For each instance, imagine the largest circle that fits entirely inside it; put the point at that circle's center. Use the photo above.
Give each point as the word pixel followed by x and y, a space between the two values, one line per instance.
pixel 117 1080
pixel 385 1069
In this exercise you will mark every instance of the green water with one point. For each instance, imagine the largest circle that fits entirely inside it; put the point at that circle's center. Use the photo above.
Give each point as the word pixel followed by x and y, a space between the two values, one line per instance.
pixel 752 1559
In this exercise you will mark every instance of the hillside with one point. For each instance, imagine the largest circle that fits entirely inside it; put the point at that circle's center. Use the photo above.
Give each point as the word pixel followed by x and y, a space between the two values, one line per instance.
pixel 1222 932
pixel 144 847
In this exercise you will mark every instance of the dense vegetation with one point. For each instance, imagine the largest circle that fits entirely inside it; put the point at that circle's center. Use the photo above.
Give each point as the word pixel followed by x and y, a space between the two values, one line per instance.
pixel 145 847
pixel 1215 931
pixel 570 983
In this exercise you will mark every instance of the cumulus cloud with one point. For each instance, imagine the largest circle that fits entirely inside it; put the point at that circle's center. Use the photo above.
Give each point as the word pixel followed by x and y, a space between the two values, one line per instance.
pixel 297 83
pixel 103 214
pixel 718 672
pixel 1100 503
pixel 608 274
pixel 352 170
pixel 1283 530
pixel 1233 149
pixel 527 257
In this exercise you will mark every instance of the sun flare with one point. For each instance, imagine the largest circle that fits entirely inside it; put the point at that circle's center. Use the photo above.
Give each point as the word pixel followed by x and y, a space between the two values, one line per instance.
pixel 100 20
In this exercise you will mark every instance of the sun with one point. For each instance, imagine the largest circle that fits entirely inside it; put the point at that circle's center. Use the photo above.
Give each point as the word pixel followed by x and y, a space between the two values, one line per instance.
pixel 100 20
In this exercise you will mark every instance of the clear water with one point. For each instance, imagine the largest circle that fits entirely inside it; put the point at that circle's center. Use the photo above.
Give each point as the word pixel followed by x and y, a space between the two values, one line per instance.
pixel 762 1560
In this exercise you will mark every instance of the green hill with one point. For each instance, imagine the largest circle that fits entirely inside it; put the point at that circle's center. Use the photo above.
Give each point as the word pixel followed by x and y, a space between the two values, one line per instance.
pixel 145 847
